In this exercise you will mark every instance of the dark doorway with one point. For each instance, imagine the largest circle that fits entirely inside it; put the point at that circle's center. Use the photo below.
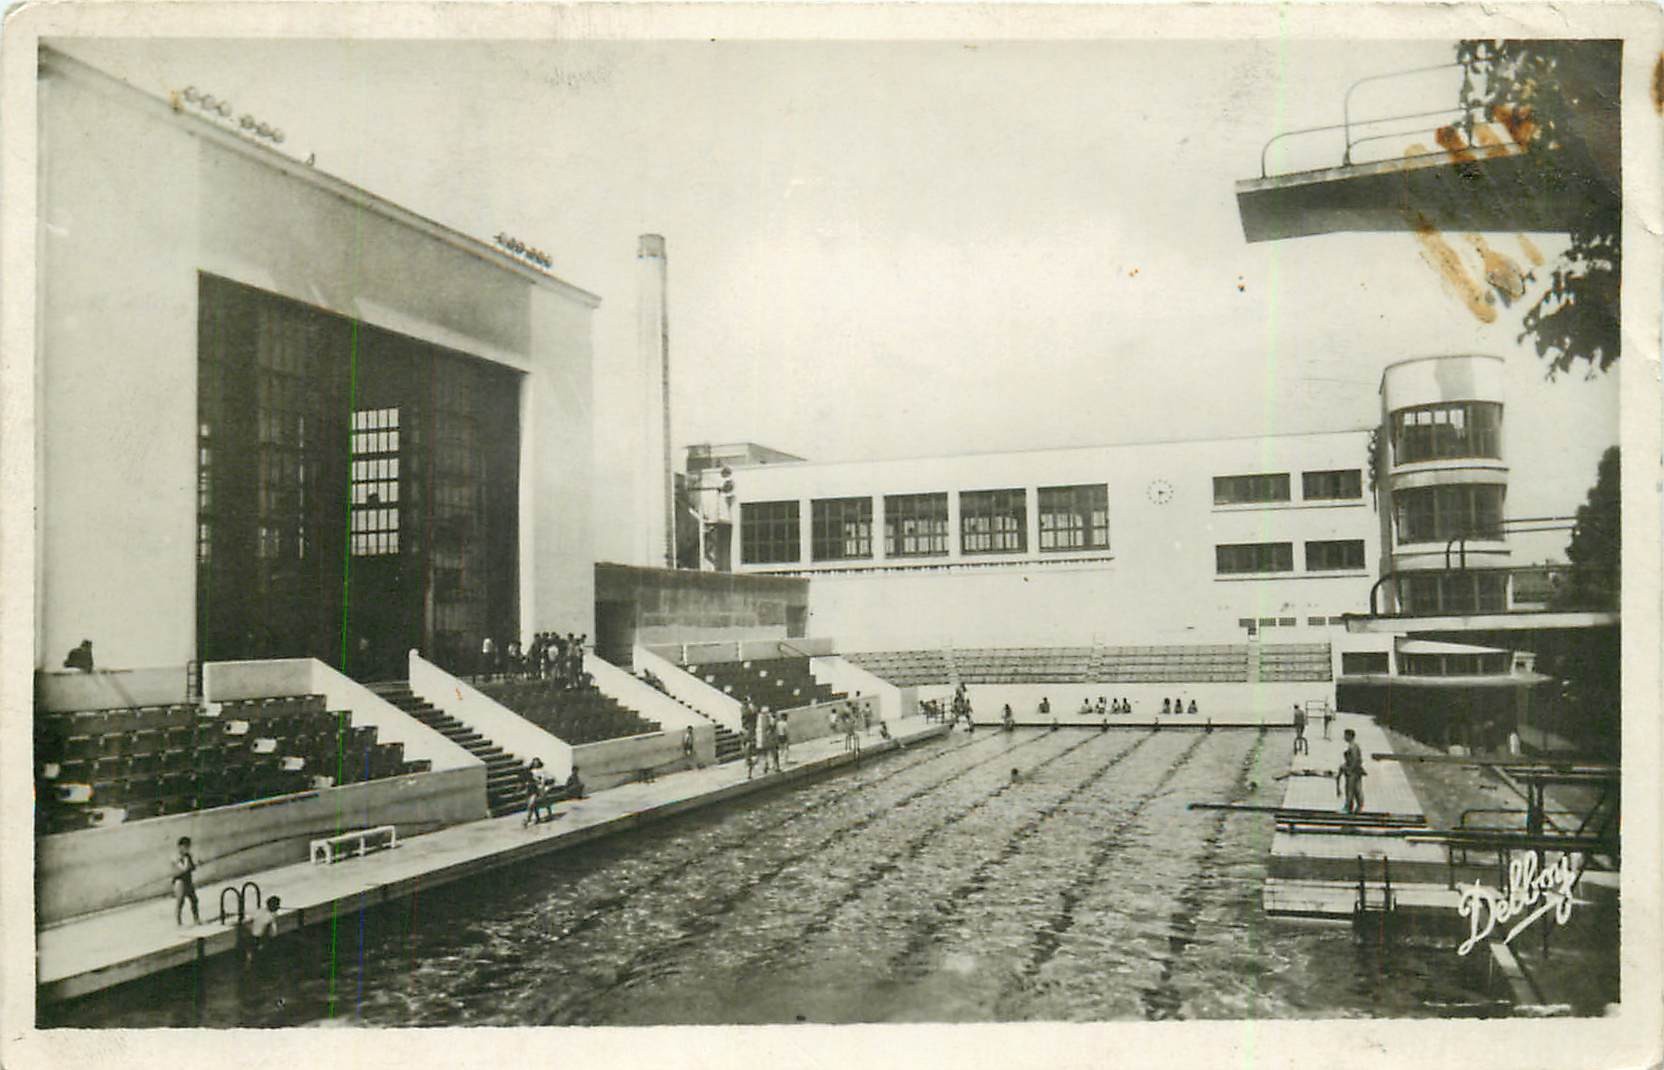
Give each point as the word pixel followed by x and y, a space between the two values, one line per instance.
pixel 615 632
pixel 357 489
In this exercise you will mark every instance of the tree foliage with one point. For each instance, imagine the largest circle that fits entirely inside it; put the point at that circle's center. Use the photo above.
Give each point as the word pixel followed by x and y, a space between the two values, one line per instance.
pixel 1596 548
pixel 1562 97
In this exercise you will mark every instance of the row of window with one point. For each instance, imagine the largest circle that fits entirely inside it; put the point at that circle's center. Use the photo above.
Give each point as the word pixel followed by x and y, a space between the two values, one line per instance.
pixel 916 525
pixel 1439 514
pixel 1339 484
pixel 1287 622
pixel 1328 555
pixel 1447 431
pixel 1498 663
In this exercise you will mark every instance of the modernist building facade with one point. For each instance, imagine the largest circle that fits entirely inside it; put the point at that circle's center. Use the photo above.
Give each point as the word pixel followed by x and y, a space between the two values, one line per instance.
pixel 1281 537
pixel 1444 486
pixel 279 416
pixel 1199 541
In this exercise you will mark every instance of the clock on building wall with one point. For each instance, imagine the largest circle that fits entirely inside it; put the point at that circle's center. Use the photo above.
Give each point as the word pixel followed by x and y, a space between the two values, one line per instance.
pixel 1160 491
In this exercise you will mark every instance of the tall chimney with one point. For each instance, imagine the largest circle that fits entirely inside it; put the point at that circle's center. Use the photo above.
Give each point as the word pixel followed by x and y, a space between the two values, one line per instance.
pixel 655 490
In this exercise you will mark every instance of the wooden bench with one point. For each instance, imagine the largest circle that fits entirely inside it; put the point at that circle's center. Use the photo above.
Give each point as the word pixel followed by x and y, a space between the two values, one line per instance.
pixel 350 844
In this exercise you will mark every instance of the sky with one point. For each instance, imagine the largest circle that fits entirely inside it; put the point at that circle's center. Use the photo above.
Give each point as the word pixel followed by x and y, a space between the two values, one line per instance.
pixel 904 249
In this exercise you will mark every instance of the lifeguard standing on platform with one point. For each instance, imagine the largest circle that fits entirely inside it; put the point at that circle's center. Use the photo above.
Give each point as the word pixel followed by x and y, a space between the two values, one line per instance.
pixel 1351 774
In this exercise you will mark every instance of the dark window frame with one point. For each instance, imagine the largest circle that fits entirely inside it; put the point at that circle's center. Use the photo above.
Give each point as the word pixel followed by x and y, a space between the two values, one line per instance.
pixel 1074 518
pixel 1447 430
pixel 1354 662
pixel 993 521
pixel 1446 511
pixel 916 525
pixel 840 529
pixel 771 532
pixel 1333 555
pixel 1471 591
pixel 1253 558
pixel 1253 488
pixel 1332 485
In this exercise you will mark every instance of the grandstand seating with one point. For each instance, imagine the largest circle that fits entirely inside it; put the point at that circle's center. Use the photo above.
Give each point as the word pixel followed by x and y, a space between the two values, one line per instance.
pixel 1201 664
pixel 905 668
pixel 1295 662
pixel 577 715
pixel 1225 663
pixel 96 767
pixel 774 683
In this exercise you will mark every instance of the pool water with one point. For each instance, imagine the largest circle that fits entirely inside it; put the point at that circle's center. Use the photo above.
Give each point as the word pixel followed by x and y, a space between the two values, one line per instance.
pixel 1036 875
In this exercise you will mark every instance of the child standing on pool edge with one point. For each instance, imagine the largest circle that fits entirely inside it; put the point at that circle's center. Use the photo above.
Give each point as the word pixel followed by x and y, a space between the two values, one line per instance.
pixel 184 883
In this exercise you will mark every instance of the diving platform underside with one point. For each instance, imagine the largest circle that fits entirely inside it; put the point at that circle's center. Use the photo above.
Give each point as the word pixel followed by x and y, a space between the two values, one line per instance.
pixel 1502 188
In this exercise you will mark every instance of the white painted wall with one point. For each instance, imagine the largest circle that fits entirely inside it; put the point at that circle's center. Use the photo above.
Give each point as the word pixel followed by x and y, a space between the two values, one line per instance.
pixel 650 702
pixel 108 690
pixel 852 680
pixel 1157 583
pixel 724 709
pixel 505 728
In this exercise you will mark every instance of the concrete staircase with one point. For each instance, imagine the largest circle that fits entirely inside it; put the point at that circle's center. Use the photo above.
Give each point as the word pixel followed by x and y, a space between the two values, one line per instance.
pixel 730 745
pixel 505 775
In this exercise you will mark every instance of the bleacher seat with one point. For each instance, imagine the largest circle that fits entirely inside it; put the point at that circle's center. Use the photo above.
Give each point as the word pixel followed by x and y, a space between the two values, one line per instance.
pixel 104 766
pixel 576 715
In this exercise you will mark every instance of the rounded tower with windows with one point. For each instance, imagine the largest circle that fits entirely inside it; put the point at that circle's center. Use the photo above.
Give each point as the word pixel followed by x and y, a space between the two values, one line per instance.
pixel 1443 485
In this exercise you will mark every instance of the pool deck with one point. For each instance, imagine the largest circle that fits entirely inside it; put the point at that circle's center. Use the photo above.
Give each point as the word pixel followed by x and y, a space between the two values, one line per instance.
pixel 97 951
pixel 1314 871
pixel 1220 718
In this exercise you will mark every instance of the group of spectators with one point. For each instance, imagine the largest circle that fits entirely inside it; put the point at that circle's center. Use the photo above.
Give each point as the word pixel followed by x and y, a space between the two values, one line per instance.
pixel 549 656
pixel 849 720
pixel 766 738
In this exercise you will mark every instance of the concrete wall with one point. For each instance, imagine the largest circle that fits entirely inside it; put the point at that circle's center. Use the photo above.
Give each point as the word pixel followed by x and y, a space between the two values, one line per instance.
pixel 223 681
pixel 504 727
pixel 620 761
pixel 813 722
pixel 650 702
pixel 852 680
pixel 1272 702
pixel 700 653
pixel 94 869
pixel 724 709
pixel 106 689
pixel 118 340
pixel 679 605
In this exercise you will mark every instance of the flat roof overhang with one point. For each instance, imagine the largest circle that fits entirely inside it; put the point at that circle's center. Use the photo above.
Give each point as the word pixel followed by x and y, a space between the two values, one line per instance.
pixel 1376 679
pixel 1500 188
pixel 1529 621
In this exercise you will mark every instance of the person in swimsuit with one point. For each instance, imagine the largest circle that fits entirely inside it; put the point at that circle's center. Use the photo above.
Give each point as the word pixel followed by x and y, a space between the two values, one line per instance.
pixel 184 883
pixel 262 928
pixel 1351 773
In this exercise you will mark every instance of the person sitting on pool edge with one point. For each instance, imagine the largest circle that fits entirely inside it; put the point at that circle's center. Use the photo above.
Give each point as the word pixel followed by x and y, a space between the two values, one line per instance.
pixel 1166 706
pixel 572 789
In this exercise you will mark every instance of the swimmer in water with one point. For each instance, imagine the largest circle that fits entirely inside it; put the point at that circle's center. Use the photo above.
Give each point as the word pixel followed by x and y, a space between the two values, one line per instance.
pixel 1015 776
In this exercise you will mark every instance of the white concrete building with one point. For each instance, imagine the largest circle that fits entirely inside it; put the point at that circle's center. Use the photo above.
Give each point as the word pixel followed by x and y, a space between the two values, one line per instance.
pixel 280 416
pixel 1155 542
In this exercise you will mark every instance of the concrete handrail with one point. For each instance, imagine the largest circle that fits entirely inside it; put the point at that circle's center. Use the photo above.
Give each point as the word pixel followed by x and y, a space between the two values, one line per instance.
pixel 648 701
pixel 852 679
pixel 505 728
pixel 224 681
pixel 719 707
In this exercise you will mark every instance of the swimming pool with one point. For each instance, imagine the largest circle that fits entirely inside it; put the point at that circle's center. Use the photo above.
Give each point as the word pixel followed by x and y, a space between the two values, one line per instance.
pixel 986 877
